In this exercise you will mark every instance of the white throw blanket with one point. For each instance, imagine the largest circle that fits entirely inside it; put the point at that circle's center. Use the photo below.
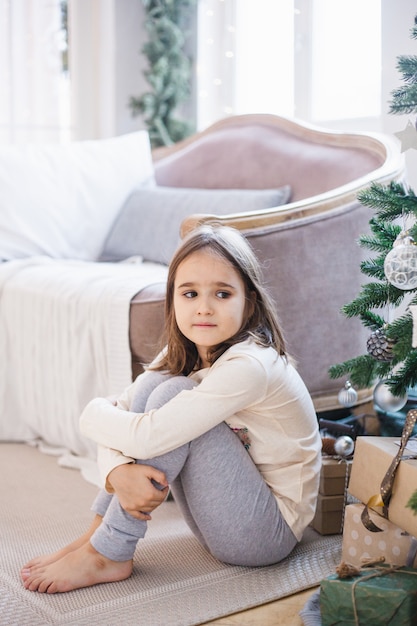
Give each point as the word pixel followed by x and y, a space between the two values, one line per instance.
pixel 64 339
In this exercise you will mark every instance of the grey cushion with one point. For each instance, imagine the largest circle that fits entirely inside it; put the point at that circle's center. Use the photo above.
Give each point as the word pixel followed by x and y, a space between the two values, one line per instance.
pixel 149 222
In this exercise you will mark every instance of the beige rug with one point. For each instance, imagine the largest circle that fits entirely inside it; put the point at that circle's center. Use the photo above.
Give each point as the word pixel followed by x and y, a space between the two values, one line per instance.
pixel 175 582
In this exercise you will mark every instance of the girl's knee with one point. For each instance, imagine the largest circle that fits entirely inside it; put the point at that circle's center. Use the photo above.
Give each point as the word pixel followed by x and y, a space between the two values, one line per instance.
pixel 167 390
pixel 145 385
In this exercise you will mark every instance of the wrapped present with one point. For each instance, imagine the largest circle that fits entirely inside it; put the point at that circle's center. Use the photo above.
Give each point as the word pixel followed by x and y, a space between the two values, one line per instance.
pixel 394 544
pixel 334 475
pixel 328 518
pixel 381 596
pixel 373 458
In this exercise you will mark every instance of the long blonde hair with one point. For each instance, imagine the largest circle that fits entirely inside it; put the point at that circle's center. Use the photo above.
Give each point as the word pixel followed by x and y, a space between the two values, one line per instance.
pixel 260 320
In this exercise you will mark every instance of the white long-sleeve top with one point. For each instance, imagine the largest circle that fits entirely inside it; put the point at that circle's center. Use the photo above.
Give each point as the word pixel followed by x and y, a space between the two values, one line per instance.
pixel 257 393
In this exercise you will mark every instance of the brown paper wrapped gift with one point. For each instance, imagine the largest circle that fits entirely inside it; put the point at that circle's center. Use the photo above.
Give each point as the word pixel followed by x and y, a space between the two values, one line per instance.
pixel 333 476
pixel 392 543
pixel 372 459
pixel 329 515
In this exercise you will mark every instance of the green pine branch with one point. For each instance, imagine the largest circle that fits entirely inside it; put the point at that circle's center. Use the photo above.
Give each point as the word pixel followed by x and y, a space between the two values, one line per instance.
pixel 405 376
pixel 374 268
pixel 412 503
pixel 371 320
pixel 400 331
pixel 384 235
pixel 373 296
pixel 405 101
pixel 362 371
pixel 407 66
pixel 389 201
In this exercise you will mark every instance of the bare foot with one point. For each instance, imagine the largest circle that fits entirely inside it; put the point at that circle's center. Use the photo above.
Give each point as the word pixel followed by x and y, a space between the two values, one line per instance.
pixel 82 567
pixel 46 559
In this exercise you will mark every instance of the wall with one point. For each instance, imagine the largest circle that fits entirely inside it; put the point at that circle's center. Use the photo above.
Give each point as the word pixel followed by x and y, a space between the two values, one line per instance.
pixel 130 63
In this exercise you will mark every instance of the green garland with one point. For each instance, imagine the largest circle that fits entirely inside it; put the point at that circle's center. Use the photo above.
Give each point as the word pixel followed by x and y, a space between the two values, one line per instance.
pixel 169 70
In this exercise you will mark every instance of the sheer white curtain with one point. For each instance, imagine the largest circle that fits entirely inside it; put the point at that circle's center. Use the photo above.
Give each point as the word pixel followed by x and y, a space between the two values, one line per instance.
pixel 318 60
pixel 33 103
pixel 216 52
pixel 40 101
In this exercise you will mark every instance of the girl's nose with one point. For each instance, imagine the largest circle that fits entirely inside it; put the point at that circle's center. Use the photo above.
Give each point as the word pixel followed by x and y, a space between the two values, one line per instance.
pixel 204 307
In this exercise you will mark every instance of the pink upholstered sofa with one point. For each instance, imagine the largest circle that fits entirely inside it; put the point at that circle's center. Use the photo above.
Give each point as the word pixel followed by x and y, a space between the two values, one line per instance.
pixel 308 246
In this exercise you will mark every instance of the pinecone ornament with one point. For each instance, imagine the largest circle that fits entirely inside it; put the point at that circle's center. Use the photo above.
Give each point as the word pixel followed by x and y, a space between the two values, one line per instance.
pixel 380 346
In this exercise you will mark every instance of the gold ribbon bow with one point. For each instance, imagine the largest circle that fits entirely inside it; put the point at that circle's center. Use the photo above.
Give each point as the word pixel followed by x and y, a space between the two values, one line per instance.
pixel 383 498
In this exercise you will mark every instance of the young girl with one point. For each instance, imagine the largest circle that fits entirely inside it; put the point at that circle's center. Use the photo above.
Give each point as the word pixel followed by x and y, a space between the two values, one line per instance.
pixel 221 416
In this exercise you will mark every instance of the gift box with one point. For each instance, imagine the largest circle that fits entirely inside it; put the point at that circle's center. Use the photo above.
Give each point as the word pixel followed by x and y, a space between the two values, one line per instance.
pixel 392 543
pixel 372 459
pixel 377 596
pixel 334 476
pixel 329 514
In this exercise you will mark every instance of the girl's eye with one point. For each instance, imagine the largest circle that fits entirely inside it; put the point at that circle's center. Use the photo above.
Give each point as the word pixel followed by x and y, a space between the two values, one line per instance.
pixel 223 294
pixel 190 294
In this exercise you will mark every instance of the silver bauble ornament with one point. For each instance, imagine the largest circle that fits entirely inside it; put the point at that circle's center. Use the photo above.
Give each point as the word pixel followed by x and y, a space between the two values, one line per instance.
pixel 344 446
pixel 385 400
pixel 400 265
pixel 348 395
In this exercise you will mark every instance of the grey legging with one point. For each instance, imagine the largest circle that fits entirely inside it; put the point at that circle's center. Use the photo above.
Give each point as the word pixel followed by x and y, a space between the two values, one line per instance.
pixel 221 494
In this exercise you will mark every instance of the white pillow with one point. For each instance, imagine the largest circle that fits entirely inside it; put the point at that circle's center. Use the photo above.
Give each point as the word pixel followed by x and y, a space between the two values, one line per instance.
pixel 60 200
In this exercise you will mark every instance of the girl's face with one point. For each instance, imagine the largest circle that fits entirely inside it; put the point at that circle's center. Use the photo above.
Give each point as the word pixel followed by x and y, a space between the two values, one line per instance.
pixel 209 300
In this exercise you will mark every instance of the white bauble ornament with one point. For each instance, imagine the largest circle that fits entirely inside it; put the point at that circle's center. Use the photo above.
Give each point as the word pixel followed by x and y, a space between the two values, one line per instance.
pixel 348 395
pixel 344 446
pixel 400 265
pixel 385 400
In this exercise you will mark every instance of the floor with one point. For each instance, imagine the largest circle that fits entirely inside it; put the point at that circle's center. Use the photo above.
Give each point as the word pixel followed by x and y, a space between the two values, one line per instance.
pixel 284 612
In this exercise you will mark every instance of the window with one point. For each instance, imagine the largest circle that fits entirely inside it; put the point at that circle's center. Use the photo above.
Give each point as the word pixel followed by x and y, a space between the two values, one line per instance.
pixel 319 60
pixel 346 59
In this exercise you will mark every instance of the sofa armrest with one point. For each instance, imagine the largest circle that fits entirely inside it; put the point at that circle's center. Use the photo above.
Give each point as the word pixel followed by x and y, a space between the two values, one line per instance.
pixel 146 325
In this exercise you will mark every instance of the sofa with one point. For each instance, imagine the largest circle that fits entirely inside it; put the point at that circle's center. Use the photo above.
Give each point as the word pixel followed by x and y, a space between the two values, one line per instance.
pixel 87 231
pixel 307 245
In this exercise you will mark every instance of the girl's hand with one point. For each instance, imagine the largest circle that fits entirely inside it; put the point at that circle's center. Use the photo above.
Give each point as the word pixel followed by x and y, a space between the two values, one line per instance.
pixel 135 491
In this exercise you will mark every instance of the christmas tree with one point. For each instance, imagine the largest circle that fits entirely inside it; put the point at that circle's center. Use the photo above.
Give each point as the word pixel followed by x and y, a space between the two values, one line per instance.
pixel 391 348
pixel 391 357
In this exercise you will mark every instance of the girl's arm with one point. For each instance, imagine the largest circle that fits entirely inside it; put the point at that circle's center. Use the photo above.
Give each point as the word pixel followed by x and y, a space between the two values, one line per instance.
pixel 232 384
pixel 107 460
